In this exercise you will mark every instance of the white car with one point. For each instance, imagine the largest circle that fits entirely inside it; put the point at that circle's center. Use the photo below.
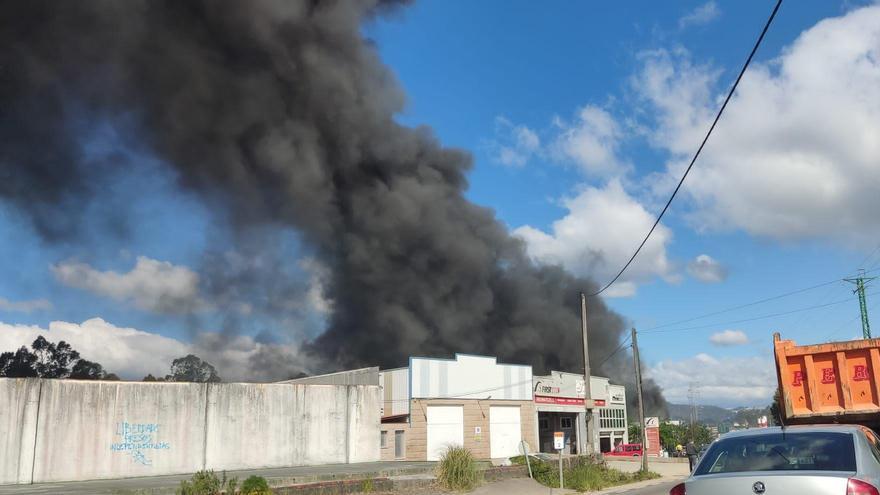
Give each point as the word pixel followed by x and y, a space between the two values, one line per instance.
pixel 798 460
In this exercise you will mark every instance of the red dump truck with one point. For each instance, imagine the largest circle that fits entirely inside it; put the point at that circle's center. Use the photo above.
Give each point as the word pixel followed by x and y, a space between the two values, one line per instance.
pixel 836 382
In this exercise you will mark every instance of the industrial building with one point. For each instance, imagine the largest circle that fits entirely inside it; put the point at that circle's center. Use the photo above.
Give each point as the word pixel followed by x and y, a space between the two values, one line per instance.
pixel 486 406
pixel 559 401
pixel 472 401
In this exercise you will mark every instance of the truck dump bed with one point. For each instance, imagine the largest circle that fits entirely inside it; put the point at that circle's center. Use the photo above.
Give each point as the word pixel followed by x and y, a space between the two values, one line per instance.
pixel 836 382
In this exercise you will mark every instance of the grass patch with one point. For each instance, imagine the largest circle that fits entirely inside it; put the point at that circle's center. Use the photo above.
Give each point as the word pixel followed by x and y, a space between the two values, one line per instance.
pixel 458 469
pixel 585 475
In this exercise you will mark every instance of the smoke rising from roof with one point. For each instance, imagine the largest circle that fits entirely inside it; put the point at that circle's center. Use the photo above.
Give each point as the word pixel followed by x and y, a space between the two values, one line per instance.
pixel 281 115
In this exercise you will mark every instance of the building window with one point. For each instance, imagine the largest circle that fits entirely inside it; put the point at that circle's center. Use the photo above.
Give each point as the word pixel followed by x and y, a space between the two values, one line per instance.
pixel 612 418
pixel 383 439
pixel 398 444
pixel 565 422
pixel 543 424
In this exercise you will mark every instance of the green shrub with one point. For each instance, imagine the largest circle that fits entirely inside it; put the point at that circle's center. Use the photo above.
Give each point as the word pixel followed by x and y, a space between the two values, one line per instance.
pixel 208 483
pixel 367 486
pixel 255 485
pixel 457 469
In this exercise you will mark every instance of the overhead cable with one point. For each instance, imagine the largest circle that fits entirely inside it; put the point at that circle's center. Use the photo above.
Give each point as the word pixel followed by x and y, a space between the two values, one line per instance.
pixel 697 154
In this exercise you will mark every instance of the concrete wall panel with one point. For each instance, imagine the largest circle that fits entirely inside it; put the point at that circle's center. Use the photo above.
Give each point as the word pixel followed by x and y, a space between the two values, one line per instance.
pixel 19 398
pixel 93 430
pixel 252 425
pixel 363 424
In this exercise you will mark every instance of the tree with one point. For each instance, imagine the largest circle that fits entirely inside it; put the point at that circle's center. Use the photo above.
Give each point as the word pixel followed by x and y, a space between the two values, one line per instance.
pixel 672 435
pixel 53 361
pixel 191 368
pixel 635 433
pixel 775 410
pixel 19 364
pixel 48 360
pixel 151 378
pixel 87 370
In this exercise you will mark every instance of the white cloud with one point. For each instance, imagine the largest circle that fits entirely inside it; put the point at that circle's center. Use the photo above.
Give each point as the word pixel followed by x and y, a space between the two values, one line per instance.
pixel 796 153
pixel 703 14
pixel 707 269
pixel 729 338
pixel 24 306
pixel 151 285
pixel 592 142
pixel 515 144
pixel 726 381
pixel 132 353
pixel 598 235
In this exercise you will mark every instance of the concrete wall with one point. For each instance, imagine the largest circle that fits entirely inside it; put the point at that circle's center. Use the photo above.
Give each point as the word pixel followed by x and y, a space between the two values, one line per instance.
pixel 59 430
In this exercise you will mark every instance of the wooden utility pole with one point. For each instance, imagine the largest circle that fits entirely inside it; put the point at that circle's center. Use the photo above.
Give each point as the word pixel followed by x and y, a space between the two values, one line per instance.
pixel 588 394
pixel 638 365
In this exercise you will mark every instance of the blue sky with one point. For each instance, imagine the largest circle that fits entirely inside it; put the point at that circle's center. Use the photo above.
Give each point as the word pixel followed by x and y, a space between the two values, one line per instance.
pixel 577 118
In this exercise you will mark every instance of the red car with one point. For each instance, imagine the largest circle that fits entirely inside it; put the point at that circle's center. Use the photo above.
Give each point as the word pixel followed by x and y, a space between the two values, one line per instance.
pixel 626 450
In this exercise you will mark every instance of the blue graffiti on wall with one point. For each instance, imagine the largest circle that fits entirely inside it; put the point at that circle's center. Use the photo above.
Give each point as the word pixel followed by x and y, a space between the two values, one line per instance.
pixel 137 439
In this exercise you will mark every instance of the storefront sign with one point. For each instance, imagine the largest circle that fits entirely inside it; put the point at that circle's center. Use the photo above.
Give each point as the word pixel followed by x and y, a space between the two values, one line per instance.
pixel 565 401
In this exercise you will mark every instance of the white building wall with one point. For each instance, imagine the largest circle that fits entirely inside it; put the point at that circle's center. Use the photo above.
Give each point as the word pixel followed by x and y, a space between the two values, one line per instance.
pixel 469 377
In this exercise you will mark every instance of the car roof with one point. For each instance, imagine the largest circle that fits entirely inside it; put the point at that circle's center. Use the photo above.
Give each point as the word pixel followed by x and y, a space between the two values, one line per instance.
pixel 794 429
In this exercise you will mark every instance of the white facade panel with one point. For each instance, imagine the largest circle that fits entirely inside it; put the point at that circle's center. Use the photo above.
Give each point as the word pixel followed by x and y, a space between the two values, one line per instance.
pixel 395 392
pixel 505 432
pixel 469 377
pixel 445 428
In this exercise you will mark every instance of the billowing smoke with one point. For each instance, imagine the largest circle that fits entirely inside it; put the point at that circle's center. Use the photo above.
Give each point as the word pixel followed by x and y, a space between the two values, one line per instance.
pixel 280 115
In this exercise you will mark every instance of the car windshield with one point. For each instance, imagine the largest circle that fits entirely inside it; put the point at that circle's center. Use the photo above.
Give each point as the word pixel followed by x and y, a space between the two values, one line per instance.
pixel 807 451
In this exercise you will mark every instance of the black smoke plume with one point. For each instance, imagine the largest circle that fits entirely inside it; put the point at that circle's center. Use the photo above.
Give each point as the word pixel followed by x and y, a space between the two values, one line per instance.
pixel 280 114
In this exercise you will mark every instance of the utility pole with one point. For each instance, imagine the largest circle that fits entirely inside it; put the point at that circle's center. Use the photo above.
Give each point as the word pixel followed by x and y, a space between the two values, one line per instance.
pixel 863 305
pixel 693 394
pixel 638 365
pixel 588 394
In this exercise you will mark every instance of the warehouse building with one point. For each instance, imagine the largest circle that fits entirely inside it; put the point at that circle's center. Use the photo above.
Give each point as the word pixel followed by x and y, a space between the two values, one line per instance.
pixel 559 402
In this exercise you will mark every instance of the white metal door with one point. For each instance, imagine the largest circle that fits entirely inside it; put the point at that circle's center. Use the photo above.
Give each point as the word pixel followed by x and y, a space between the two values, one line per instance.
pixel 505 432
pixel 445 428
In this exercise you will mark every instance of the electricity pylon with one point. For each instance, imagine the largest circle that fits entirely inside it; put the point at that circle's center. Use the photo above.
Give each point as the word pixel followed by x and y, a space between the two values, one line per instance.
pixel 863 305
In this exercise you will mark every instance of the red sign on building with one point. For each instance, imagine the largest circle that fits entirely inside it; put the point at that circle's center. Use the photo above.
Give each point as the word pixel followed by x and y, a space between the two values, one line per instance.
pixel 565 401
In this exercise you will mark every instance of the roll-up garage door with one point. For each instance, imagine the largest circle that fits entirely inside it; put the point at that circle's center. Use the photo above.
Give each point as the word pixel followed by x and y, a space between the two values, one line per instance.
pixel 445 428
pixel 504 431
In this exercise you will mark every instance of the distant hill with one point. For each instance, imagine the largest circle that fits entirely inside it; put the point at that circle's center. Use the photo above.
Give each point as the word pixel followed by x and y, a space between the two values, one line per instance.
pixel 713 415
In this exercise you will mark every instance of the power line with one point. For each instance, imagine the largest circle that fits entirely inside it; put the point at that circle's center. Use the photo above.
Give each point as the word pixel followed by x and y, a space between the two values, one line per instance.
pixel 741 306
pixel 749 304
pixel 699 150
pixel 619 348
pixel 762 317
